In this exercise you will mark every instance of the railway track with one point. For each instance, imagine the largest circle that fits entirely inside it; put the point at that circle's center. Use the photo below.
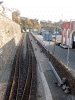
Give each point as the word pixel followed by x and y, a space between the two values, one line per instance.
pixel 22 85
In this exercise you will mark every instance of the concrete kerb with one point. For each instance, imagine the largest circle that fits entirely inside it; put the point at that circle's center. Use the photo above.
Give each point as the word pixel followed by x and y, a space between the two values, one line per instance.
pixel 57 65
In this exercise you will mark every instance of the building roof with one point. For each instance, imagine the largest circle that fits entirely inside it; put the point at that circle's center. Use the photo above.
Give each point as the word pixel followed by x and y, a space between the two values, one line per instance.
pixel 1 2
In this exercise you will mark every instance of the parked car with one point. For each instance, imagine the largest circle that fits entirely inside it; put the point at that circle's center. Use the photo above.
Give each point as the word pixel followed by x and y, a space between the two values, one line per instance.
pixel 39 33
pixel 63 46
pixel 58 43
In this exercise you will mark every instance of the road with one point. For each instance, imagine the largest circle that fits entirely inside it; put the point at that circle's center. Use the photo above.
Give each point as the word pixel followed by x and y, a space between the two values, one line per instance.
pixel 60 53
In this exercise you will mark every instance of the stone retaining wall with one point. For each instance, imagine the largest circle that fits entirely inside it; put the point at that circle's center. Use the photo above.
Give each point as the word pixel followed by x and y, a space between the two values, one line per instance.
pixel 10 35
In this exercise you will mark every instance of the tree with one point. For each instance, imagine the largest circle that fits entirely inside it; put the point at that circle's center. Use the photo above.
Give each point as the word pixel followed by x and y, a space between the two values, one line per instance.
pixel 15 16
pixel 34 22
pixel 46 23
pixel 29 23
pixel 26 23
pixel 16 13
pixel 39 27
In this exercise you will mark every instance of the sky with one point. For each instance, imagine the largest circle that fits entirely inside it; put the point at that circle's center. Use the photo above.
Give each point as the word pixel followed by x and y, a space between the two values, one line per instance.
pixel 52 10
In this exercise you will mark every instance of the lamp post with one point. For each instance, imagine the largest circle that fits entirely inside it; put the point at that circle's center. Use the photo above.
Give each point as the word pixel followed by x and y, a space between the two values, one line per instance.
pixel 68 45
pixel 55 40
pixel 49 40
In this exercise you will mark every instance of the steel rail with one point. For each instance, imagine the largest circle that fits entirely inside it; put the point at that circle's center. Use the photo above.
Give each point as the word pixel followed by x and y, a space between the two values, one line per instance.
pixel 29 79
pixel 14 78
pixel 28 74
pixel 19 66
pixel 16 83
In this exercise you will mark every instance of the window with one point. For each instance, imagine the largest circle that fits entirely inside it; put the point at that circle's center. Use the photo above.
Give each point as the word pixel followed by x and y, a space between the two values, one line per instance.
pixel 74 25
pixel 64 33
pixel 68 33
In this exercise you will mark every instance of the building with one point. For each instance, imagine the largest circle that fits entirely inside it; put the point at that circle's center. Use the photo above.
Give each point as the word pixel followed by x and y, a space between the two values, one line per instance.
pixel 4 10
pixel 2 7
pixel 47 36
pixel 51 29
pixel 57 35
pixel 68 37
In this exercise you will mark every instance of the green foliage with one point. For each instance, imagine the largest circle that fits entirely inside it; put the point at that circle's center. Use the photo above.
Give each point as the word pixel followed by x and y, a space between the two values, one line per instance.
pixel 16 21
pixel 46 24
pixel 29 23
pixel 16 13
pixel 33 23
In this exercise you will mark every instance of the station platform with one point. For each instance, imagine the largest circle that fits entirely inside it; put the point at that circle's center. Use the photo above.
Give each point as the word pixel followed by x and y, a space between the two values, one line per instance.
pixel 48 90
